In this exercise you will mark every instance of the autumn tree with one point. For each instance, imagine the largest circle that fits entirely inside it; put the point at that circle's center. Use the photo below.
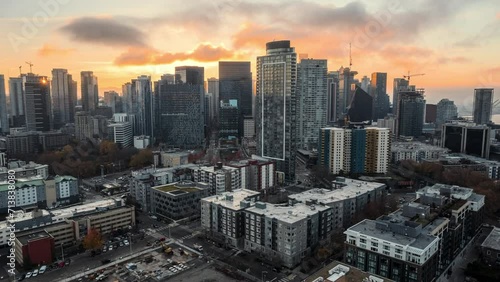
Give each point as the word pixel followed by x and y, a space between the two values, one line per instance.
pixel 93 240
pixel 142 159
pixel 109 149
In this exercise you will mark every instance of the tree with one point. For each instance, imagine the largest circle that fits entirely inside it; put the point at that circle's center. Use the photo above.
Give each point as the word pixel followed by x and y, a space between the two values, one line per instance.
pixel 109 149
pixel 142 159
pixel 93 240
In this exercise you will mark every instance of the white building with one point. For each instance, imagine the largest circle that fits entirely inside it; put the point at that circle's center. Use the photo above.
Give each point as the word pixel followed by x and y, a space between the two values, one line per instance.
pixel 121 133
pixel 256 173
pixel 415 151
pixel 23 169
pixel 219 178
pixel 3 160
pixel 141 142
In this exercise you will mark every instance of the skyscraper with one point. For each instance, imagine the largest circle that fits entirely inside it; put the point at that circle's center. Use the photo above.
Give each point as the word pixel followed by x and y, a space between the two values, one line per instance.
pixel 312 93
pixel 235 88
pixel 276 107
pixel 360 109
pixel 213 87
pixel 445 110
pixel 378 91
pixel 346 90
pixel 38 111
pixel 89 92
pixel 16 95
pixel 400 84
pixel 181 107
pixel 189 75
pixel 63 102
pixel 142 106
pixel 483 104
pixel 430 113
pixel 111 99
pixel 4 122
pixel 333 96
pixel 410 115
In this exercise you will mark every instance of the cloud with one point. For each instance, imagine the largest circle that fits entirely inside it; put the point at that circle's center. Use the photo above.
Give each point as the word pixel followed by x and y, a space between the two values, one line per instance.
pixel 49 50
pixel 148 56
pixel 484 36
pixel 104 31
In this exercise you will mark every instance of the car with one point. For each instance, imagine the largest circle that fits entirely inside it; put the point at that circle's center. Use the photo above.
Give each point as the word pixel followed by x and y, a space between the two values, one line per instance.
pixel 28 275
pixel 121 244
pixel 35 273
pixel 105 261
pixel 174 270
pixel 42 269
pixel 110 248
pixel 162 239
pixel 21 278
pixel 126 243
pixel 104 249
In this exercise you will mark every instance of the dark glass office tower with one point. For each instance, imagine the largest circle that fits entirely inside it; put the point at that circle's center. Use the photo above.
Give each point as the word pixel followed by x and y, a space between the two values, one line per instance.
pixel 378 91
pixel 38 103
pixel 360 109
pixel 89 91
pixel 410 116
pixel 276 105
pixel 483 105
pixel 235 84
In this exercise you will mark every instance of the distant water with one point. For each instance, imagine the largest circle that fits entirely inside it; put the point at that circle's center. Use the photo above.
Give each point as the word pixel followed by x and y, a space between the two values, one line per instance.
pixel 494 118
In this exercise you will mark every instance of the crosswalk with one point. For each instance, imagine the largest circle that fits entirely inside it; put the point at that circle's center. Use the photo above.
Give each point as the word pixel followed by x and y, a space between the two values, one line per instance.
pixel 189 236
pixel 288 278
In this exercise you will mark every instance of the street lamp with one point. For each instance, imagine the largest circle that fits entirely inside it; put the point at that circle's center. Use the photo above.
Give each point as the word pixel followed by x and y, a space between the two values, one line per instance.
pixel 263 272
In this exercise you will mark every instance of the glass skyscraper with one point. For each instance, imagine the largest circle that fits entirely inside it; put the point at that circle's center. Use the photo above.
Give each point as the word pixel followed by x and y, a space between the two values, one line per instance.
pixel 483 105
pixel 410 116
pixel 276 103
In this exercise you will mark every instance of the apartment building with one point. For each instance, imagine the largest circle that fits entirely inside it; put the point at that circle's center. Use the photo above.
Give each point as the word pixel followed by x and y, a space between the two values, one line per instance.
pixel 142 180
pixel 219 178
pixel 256 174
pixel 415 151
pixel 354 150
pixel 285 235
pixel 23 169
pixel 222 216
pixel 346 198
pixel 178 200
pixel 419 241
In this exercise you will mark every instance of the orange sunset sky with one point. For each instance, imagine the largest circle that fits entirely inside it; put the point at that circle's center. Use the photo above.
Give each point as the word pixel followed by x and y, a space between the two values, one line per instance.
pixel 455 43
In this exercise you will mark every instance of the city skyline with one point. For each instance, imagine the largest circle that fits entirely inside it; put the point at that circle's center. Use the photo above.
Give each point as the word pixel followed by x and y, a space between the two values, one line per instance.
pixel 436 44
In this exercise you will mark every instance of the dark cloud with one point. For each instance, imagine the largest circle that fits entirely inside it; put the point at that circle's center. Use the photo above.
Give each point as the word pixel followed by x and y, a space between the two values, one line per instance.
pixel 104 31
pixel 482 37
pixel 147 56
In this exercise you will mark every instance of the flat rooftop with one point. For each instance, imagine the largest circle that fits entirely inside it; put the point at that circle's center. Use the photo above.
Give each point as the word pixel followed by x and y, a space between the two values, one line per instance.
pixel 22 182
pixel 352 189
pixel 415 146
pixel 25 237
pixel 368 227
pixel 214 169
pixel 352 274
pixel 288 214
pixel 179 188
pixel 231 200
pixel 493 240
pixel 160 171
pixel 75 210
pixel 456 157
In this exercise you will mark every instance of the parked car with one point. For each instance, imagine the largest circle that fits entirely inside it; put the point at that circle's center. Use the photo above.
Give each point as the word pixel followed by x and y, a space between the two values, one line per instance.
pixel 35 273
pixel 28 275
pixel 42 269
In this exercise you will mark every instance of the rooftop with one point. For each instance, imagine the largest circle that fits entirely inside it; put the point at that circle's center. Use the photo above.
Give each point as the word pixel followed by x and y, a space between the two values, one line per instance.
pixel 64 178
pixel 23 182
pixel 456 158
pixel 351 189
pixel 368 227
pixel 288 214
pixel 28 236
pixel 185 187
pixel 493 240
pixel 414 146
pixel 335 269
pixel 231 200
pixel 75 210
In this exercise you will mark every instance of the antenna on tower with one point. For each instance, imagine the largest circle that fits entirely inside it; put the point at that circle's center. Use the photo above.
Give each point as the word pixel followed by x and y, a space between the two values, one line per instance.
pixel 20 71
pixel 31 66
pixel 350 56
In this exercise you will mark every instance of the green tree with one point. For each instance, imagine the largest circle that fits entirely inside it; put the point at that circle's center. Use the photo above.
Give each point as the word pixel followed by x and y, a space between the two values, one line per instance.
pixel 142 159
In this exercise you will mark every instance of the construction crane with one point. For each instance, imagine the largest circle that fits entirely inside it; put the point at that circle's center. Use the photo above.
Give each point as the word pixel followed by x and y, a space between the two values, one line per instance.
pixel 410 75
pixel 31 66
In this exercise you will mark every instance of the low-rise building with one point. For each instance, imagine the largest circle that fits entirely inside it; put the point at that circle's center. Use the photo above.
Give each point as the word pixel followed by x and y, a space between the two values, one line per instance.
pixel 178 200
pixel 29 193
pixel 222 215
pixel 462 161
pixel 490 248
pixel 34 248
pixel 141 142
pixel 23 169
pixel 219 178
pixel 339 272
pixel 415 151
pixel 142 181
pixel 173 159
